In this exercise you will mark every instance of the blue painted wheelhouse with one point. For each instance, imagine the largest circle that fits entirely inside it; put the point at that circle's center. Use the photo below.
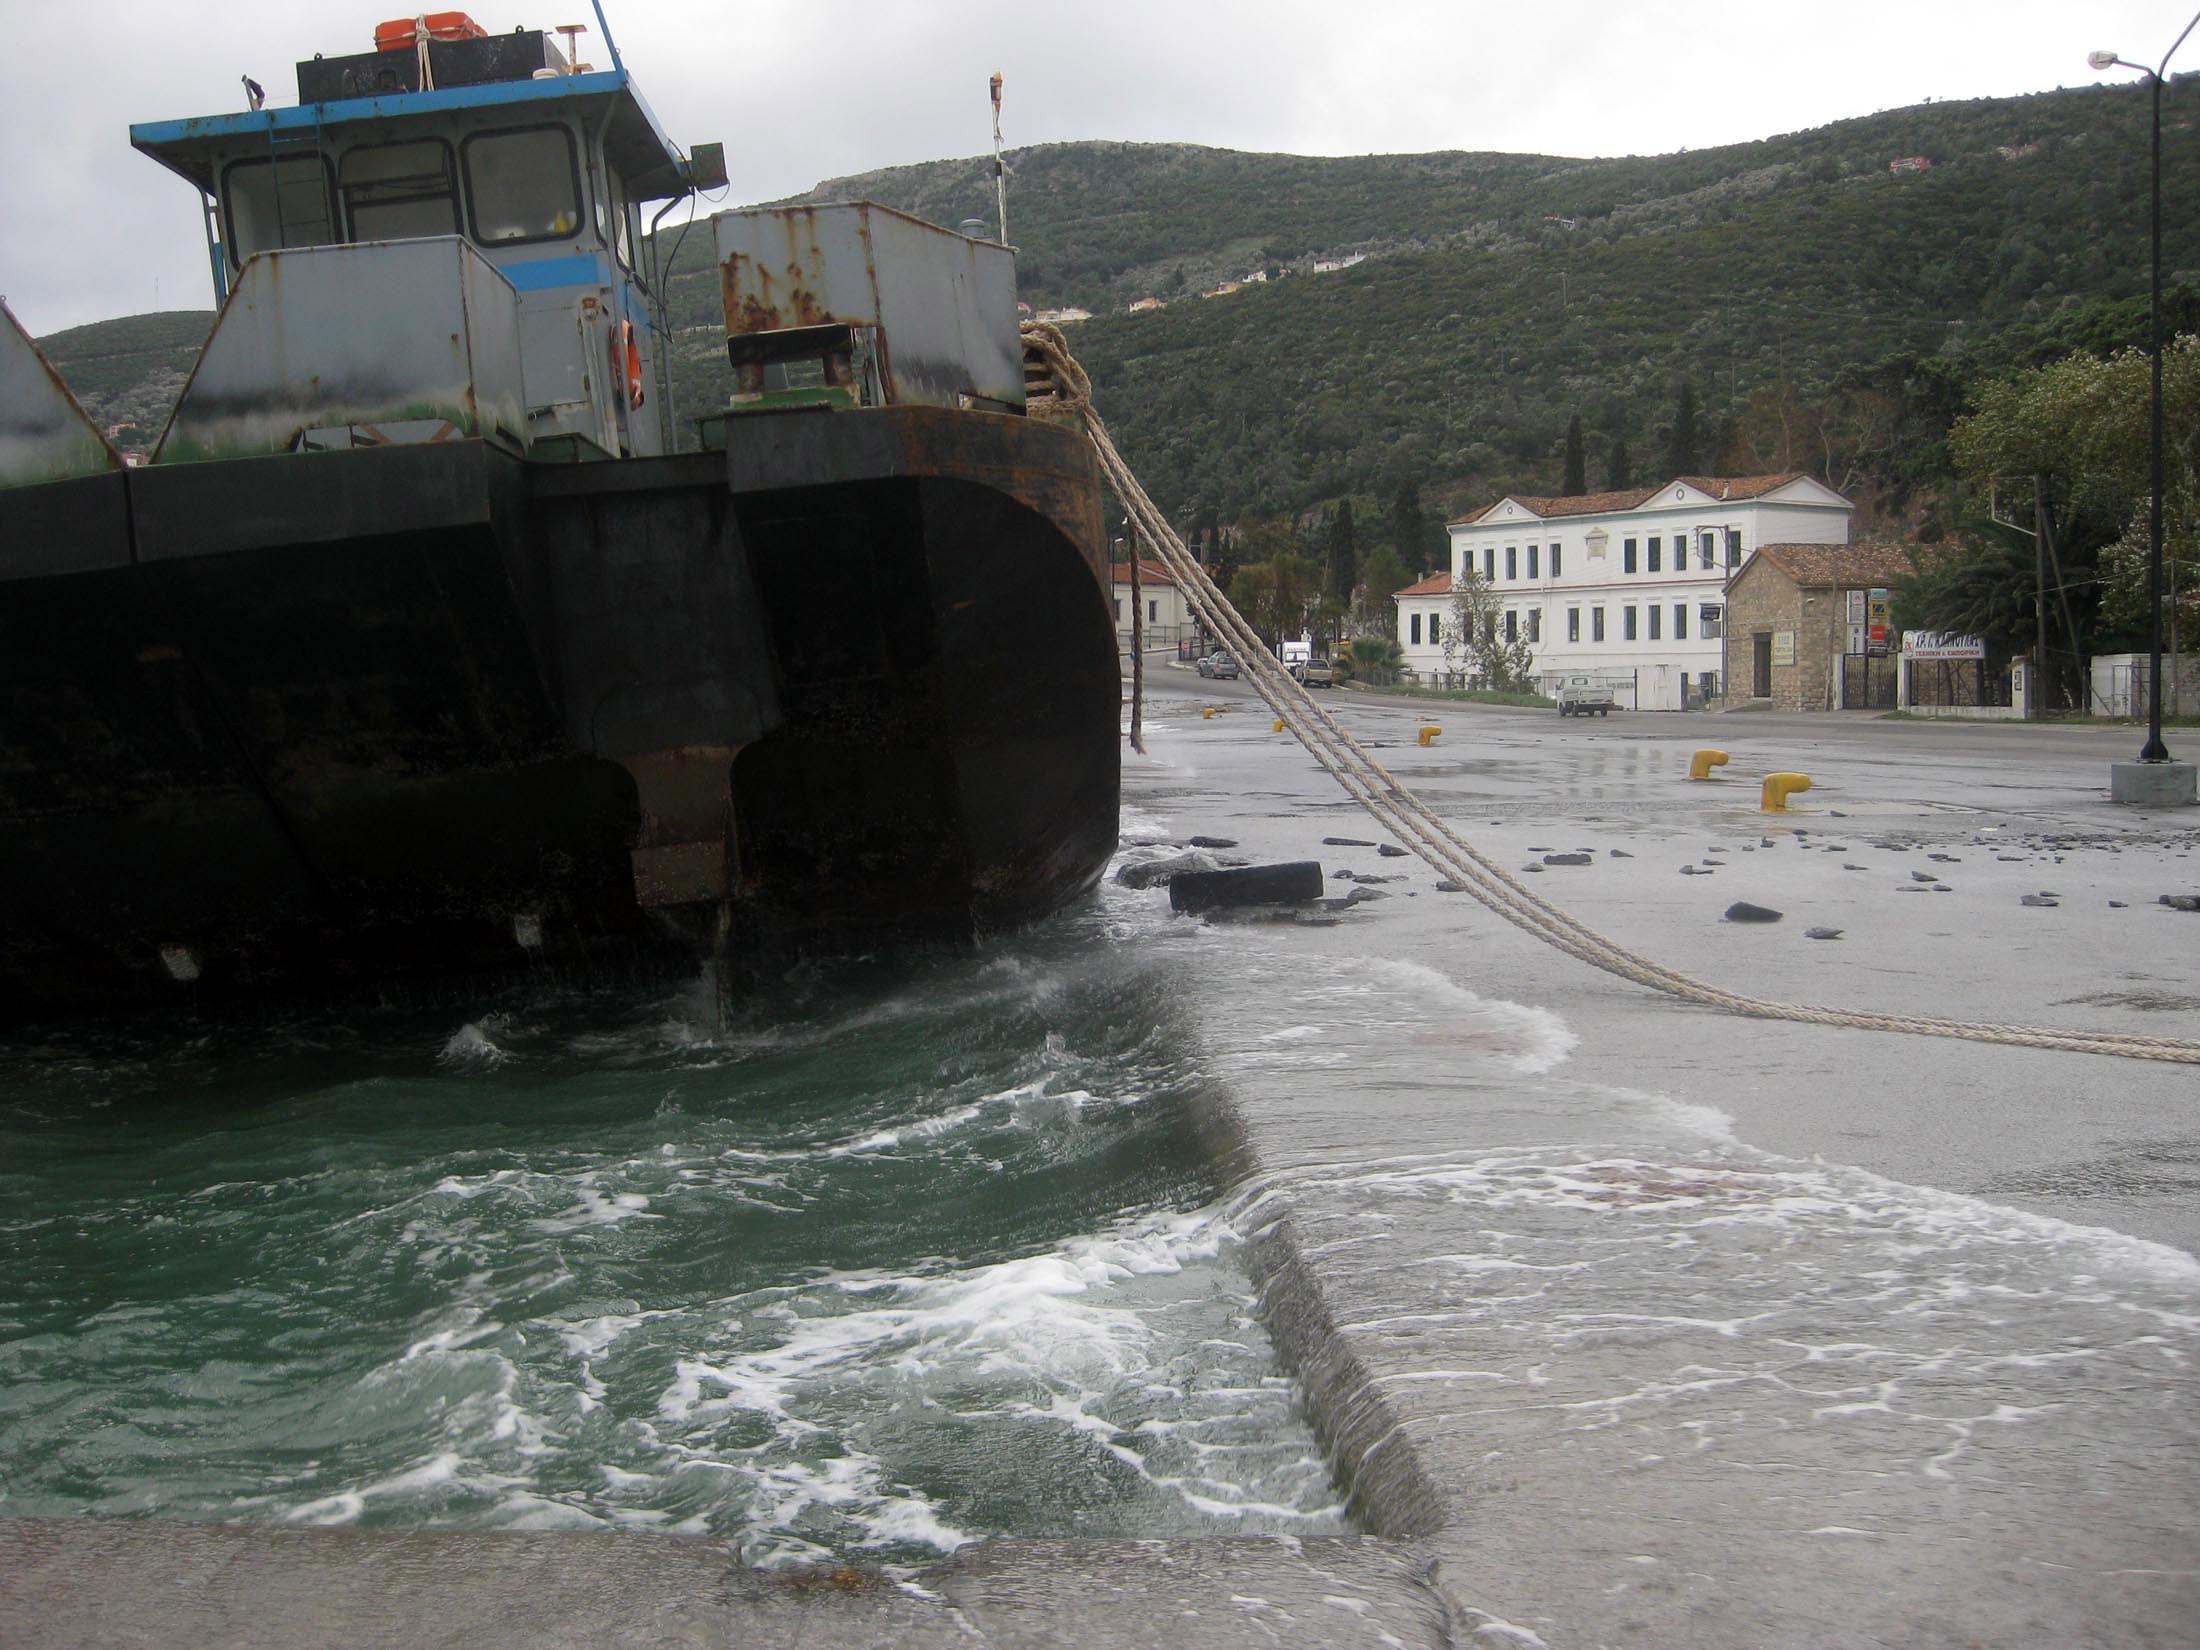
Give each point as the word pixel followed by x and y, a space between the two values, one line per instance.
pixel 521 160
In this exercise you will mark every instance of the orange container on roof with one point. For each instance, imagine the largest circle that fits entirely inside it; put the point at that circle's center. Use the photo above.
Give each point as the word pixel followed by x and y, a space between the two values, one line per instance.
pixel 401 34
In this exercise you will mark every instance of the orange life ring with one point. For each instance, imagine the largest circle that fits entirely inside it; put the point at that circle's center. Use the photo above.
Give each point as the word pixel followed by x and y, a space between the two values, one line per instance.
pixel 623 335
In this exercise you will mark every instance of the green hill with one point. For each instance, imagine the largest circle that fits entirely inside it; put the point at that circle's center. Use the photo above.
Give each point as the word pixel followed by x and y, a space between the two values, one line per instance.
pixel 1503 293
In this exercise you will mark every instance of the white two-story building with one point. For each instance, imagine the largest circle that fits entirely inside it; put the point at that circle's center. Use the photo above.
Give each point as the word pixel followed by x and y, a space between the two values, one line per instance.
pixel 1631 584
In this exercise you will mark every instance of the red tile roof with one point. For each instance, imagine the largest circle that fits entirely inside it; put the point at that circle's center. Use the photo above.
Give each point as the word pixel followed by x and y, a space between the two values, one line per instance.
pixel 1436 584
pixel 1838 566
pixel 1149 572
pixel 1634 498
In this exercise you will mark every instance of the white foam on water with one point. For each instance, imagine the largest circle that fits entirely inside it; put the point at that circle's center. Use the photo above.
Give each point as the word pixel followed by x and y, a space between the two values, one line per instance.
pixel 471 1045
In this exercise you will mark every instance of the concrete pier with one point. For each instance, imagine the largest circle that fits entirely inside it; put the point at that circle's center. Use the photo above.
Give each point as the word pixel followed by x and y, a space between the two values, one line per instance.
pixel 1624 1322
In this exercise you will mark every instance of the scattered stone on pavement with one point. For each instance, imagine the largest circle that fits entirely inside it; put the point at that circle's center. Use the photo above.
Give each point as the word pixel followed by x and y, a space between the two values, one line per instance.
pixel 1159 873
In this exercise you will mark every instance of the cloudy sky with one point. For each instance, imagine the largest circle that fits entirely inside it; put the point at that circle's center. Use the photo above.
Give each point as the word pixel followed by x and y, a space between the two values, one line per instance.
pixel 801 90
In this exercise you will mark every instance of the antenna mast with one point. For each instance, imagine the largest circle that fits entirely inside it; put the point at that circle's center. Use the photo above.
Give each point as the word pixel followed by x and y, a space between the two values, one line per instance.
pixel 1000 174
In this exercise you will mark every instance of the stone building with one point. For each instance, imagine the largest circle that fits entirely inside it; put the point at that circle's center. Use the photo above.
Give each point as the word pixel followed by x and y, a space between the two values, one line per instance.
pixel 1787 624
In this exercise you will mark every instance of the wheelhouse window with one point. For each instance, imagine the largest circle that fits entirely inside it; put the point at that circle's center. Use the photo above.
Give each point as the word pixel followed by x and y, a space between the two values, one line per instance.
pixel 399 191
pixel 613 212
pixel 521 185
pixel 273 203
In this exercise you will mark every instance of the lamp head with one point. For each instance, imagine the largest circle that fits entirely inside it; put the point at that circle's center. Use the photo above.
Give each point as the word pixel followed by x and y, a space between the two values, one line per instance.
pixel 2101 60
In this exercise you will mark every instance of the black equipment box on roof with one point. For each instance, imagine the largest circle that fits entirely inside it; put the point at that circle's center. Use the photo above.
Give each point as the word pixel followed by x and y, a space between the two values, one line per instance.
pixel 515 56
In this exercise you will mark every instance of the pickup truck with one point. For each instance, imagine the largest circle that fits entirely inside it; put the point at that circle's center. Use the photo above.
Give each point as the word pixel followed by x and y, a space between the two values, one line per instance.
pixel 1318 673
pixel 1584 696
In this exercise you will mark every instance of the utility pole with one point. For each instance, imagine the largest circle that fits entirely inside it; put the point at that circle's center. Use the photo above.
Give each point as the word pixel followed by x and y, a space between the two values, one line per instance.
pixel 2038 708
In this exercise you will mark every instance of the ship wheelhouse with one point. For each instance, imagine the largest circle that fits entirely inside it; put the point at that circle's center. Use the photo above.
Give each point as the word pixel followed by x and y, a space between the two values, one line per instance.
pixel 535 166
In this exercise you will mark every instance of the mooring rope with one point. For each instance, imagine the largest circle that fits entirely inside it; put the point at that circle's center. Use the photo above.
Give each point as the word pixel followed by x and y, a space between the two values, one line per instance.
pixel 1403 813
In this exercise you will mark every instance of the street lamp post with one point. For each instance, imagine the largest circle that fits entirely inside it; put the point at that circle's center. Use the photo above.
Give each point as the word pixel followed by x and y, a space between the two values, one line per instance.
pixel 2155 750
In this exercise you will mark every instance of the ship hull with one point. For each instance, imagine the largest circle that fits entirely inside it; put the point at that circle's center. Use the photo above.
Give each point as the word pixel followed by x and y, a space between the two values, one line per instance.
pixel 319 721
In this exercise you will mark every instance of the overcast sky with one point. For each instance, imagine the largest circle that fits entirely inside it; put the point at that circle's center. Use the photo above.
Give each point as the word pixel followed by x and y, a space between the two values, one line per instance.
pixel 801 90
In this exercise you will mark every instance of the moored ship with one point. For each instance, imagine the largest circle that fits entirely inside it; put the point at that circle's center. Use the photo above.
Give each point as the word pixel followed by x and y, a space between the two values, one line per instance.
pixel 418 647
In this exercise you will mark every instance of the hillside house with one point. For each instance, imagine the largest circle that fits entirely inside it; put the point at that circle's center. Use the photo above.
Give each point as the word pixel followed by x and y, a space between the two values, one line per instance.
pixel 1787 640
pixel 1632 583
pixel 1910 163
pixel 1143 305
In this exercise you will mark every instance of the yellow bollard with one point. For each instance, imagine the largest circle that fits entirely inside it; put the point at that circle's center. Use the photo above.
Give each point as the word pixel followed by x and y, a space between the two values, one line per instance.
pixel 1207 715
pixel 1279 726
pixel 1701 764
pixel 1779 787
pixel 1430 733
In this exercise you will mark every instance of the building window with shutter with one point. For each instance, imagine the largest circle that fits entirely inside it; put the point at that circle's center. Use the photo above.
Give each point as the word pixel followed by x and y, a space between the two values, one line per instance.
pixel 1415 623
pixel 1489 564
pixel 1653 612
pixel 1512 561
pixel 1656 550
pixel 1627 555
pixel 1554 561
pixel 1573 624
pixel 1733 548
pixel 1531 562
pixel 1512 625
pixel 1535 624
pixel 1627 623
pixel 1680 621
pixel 1596 624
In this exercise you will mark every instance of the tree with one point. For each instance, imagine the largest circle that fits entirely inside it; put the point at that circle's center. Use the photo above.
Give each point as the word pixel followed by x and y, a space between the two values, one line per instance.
pixel 2081 425
pixel 1280 596
pixel 1577 470
pixel 1374 658
pixel 1341 557
pixel 1415 534
pixel 1476 625
pixel 1682 457
pixel 1618 476
pixel 1375 610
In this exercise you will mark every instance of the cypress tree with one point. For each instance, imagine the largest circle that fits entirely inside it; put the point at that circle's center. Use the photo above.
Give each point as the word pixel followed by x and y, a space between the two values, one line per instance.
pixel 1343 556
pixel 1577 469
pixel 1618 473
pixel 1682 457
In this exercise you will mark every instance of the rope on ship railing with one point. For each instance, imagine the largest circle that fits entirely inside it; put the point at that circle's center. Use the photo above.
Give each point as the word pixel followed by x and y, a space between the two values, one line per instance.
pixel 1398 809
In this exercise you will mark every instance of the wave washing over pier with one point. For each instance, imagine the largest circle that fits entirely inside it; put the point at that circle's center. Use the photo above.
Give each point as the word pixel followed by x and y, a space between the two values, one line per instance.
pixel 898 1260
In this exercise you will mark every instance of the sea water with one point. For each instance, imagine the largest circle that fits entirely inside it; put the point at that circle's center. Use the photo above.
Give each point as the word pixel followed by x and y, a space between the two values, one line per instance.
pixel 903 1256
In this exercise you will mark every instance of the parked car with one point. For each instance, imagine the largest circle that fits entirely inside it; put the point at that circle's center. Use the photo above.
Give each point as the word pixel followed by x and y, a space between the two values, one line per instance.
pixel 1319 673
pixel 1584 696
pixel 1207 664
pixel 1223 668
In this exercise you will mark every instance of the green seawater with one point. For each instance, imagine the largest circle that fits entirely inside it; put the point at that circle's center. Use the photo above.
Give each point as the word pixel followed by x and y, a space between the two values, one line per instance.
pixel 898 1258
